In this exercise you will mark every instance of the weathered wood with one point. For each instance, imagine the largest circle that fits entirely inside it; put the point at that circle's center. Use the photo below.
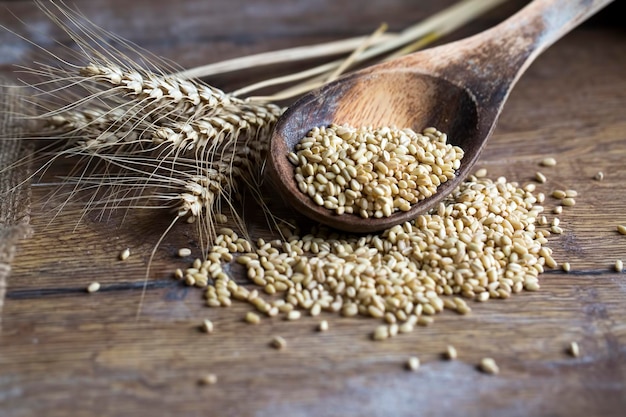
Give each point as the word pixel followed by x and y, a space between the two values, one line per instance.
pixel 64 352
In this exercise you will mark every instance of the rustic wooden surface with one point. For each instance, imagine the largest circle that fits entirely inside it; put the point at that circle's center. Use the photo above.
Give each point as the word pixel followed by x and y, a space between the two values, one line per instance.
pixel 64 352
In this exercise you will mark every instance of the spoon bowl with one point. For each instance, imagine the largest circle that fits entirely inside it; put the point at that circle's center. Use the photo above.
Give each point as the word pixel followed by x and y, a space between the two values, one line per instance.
pixel 380 102
pixel 458 88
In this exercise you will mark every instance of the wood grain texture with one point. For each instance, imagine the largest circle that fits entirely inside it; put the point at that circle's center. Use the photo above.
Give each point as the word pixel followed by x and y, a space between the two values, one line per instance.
pixel 64 352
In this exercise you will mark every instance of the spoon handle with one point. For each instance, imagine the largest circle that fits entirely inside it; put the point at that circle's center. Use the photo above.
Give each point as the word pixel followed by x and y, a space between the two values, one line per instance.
pixel 489 64
pixel 543 22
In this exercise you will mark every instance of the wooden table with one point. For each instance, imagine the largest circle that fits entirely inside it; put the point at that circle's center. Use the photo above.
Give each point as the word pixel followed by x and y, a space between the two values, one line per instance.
pixel 64 352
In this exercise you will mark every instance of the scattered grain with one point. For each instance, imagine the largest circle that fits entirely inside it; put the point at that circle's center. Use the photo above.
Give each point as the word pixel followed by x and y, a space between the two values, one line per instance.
pixel 556 230
pixel 573 349
pixel 293 315
pixel 207 326
pixel 481 173
pixel 381 332
pixel 413 363
pixel 323 326
pixel 486 240
pixel 252 318
pixel 568 202
pixel 450 353
pixel 278 342
pixel 621 229
pixel 559 194
pixel 548 162
pixel 93 287
pixel 489 366
pixel 619 265
pixel 184 252
pixel 541 179
pixel 124 254
pixel 566 266
pixel 208 379
pixel 599 176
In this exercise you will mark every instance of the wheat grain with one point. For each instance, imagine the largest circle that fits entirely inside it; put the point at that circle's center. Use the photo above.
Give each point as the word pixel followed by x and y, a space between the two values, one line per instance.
pixel 460 250
pixel 489 366
pixel 373 172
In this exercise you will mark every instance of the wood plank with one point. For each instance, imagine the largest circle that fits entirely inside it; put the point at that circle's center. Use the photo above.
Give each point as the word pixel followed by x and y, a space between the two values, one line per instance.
pixel 66 352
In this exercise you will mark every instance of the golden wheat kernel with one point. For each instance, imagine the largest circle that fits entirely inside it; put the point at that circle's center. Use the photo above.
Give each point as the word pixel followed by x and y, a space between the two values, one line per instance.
pixel 93 287
pixel 483 296
pixel 450 353
pixel 541 179
pixel 270 289
pixel 293 315
pixel 315 310
pixel 322 326
pixel 566 266
pixel 124 254
pixel 461 309
pixel 393 329
pixel 213 302
pixel 406 327
pixel 541 197
pixel 573 349
pixel 224 301
pixel 252 318
pixel 226 231
pixel 272 311
pixel 599 176
pixel 293 158
pixel 481 173
pixel 350 310
pixel 184 252
pixel 208 379
pixel 426 320
pixel 278 342
pixel 621 229
pixel 381 332
pixel 558 194
pixel 619 265
pixel 568 202
pixel 530 187
pixel 429 309
pixel 548 162
pixel 207 326
pixel 413 363
pixel 489 366
pixel 556 230
pixel 179 274
pixel 558 210
pixel 197 264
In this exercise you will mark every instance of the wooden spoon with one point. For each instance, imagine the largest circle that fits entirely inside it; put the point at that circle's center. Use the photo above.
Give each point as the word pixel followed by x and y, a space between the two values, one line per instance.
pixel 459 88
